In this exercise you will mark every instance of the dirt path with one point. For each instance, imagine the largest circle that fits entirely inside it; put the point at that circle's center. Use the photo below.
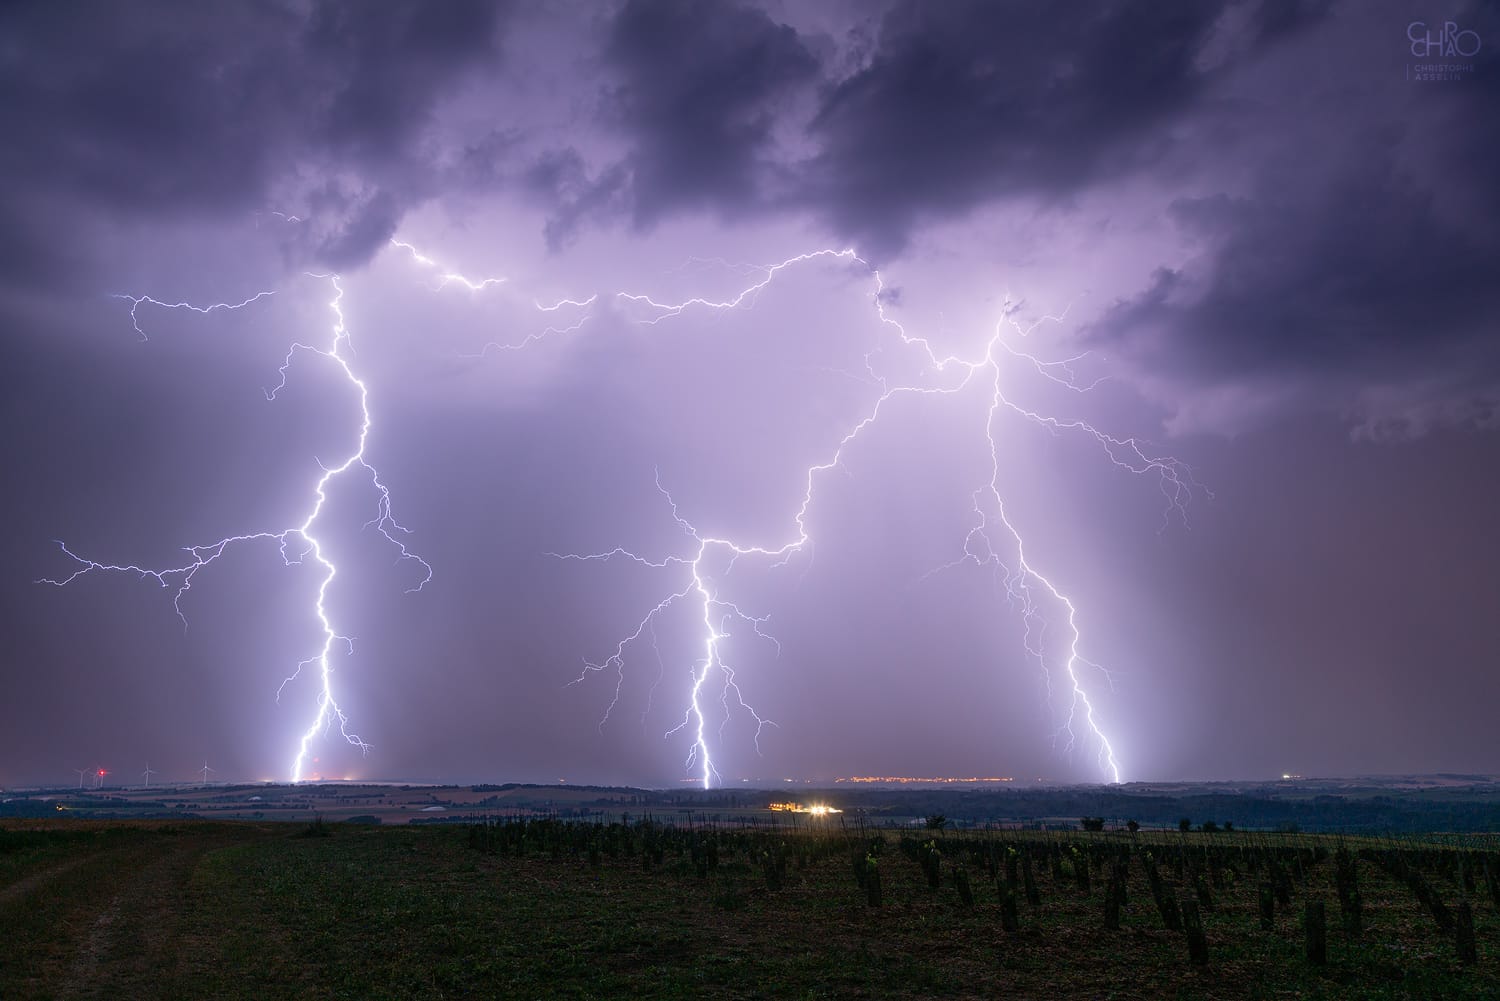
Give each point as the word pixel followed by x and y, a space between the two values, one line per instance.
pixel 22 888
pixel 107 921
pixel 131 945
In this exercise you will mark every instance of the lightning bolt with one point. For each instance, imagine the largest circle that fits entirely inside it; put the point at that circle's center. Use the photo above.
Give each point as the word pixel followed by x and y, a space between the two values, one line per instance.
pixel 136 302
pixel 297 544
pixel 706 563
pixel 446 277
pixel 993 540
pixel 581 310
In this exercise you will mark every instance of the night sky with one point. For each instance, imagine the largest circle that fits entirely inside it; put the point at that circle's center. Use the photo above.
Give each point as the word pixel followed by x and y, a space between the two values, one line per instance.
pixel 1219 284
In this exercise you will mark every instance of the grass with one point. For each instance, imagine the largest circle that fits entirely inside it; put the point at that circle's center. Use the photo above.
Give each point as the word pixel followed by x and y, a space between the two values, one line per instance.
pixel 225 911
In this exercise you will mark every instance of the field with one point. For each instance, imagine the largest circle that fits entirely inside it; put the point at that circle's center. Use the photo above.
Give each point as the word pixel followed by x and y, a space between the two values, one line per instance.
pixel 550 909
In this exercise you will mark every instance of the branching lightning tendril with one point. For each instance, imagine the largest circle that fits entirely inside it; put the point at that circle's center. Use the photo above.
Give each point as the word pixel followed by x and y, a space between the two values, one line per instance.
pixel 707 561
pixel 298 543
pixel 993 540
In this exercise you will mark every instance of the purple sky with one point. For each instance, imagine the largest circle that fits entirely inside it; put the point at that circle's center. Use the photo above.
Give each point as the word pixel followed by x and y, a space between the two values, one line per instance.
pixel 1262 242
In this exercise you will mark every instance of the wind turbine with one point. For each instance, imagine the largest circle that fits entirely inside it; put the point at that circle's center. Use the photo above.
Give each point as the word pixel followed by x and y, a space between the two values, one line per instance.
pixel 81 773
pixel 205 769
pixel 148 773
pixel 99 774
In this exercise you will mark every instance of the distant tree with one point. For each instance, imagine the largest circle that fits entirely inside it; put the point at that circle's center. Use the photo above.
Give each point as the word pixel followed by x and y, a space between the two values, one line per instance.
pixel 1228 825
pixel 1184 825
pixel 1092 823
pixel 936 822
pixel 1132 826
pixel 1209 827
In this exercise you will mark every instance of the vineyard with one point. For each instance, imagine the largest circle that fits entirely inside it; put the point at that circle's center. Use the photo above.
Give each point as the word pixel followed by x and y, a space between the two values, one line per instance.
pixel 552 908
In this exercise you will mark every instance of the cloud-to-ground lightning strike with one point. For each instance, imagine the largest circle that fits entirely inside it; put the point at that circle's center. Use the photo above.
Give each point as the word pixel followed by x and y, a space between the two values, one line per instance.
pixel 993 539
pixel 300 542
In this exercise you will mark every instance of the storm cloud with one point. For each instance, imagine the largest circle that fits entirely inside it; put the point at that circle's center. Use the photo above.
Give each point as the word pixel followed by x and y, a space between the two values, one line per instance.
pixel 120 114
pixel 1251 240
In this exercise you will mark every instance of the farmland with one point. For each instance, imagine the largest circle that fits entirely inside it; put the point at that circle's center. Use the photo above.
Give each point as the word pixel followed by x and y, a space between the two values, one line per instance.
pixel 547 908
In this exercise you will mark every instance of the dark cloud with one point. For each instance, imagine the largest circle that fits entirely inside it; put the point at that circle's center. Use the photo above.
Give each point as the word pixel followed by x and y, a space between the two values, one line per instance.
pixel 963 103
pixel 1355 276
pixel 384 66
pixel 698 94
pixel 192 111
pixel 1285 226
pixel 361 223
pixel 1358 275
pixel 956 105
pixel 700 90
pixel 562 179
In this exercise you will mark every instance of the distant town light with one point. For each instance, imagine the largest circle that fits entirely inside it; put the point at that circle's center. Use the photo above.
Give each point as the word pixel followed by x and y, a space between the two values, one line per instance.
pixel 933 780
pixel 815 810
